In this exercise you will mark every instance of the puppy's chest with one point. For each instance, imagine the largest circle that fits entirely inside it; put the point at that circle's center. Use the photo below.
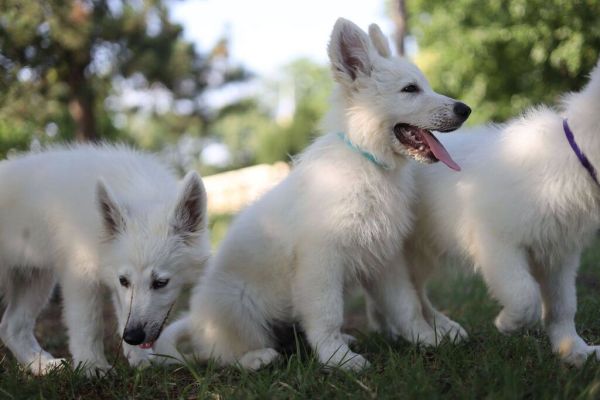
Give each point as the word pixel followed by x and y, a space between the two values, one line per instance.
pixel 376 214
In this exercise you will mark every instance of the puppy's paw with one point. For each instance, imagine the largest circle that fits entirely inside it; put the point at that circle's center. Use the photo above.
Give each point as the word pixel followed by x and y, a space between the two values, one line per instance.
pixel 573 351
pixel 509 321
pixel 350 362
pixel 94 369
pixel 340 356
pixel 137 357
pixel 424 337
pixel 43 365
pixel 446 328
pixel 349 339
pixel 256 359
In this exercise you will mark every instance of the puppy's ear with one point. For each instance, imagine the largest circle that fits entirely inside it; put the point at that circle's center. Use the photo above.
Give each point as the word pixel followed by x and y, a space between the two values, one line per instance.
pixel 111 213
pixel 189 217
pixel 595 74
pixel 379 41
pixel 593 86
pixel 349 51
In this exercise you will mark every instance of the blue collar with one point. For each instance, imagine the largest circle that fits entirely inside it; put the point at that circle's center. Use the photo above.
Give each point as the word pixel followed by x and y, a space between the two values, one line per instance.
pixel 580 155
pixel 369 156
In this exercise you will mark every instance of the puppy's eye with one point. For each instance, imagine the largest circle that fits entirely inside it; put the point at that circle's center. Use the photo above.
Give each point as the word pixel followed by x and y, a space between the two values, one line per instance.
pixel 412 88
pixel 124 281
pixel 159 283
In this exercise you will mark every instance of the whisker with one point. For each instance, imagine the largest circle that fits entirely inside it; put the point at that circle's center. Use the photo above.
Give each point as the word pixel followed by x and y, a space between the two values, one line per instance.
pixel 120 346
pixel 165 319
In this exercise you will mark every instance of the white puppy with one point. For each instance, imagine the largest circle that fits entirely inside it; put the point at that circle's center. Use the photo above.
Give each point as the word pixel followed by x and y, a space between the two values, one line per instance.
pixel 521 211
pixel 341 214
pixel 89 216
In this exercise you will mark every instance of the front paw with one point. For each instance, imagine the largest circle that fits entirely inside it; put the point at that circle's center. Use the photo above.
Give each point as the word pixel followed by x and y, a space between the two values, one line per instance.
pixel 349 339
pixel 446 328
pixel 137 357
pixel 509 321
pixel 574 351
pixel 256 359
pixel 350 362
pixel 44 365
pixel 93 369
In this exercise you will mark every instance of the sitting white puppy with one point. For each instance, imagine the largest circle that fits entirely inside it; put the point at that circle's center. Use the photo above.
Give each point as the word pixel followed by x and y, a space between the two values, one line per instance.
pixel 340 215
pixel 89 216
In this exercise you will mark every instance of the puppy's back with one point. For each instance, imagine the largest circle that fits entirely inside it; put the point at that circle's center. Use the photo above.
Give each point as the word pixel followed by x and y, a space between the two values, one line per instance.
pixel 48 200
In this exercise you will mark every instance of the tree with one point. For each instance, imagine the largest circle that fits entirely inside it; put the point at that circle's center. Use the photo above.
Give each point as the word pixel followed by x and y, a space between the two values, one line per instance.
pixel 502 56
pixel 63 57
pixel 256 132
pixel 398 13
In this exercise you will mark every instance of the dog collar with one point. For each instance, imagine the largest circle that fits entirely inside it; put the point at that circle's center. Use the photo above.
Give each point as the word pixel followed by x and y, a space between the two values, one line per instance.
pixel 583 160
pixel 369 156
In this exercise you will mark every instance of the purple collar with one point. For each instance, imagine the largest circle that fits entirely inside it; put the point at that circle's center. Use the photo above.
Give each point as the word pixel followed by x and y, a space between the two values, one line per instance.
pixel 582 158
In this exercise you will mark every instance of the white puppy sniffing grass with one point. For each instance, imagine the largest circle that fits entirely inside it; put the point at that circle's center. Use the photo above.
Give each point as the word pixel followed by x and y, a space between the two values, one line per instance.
pixel 89 216
pixel 522 210
pixel 340 215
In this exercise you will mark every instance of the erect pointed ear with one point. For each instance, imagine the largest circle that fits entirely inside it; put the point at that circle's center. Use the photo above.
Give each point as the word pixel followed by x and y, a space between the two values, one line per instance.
pixel 189 217
pixel 379 41
pixel 592 87
pixel 111 213
pixel 595 75
pixel 349 51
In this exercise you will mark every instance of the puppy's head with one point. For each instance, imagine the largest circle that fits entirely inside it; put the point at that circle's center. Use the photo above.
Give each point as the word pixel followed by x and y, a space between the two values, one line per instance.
pixel 390 107
pixel 151 251
pixel 583 105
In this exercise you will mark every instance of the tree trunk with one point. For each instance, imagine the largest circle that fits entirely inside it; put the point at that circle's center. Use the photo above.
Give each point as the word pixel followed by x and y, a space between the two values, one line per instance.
pixel 399 17
pixel 81 106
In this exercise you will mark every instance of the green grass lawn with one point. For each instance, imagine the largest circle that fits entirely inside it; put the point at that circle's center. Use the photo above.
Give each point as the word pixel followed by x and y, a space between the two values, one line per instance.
pixel 489 365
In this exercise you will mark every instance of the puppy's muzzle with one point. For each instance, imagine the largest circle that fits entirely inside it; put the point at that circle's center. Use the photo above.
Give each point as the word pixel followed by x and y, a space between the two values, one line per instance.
pixel 461 110
pixel 134 336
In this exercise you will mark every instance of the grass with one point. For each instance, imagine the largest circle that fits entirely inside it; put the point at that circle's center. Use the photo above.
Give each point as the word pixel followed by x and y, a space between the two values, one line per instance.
pixel 489 365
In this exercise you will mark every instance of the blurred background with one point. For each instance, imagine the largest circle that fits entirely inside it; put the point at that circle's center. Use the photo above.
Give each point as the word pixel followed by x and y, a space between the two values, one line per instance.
pixel 234 88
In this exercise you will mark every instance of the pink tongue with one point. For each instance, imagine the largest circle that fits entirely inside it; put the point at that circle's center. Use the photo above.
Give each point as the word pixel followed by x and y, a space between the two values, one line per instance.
pixel 439 151
pixel 146 345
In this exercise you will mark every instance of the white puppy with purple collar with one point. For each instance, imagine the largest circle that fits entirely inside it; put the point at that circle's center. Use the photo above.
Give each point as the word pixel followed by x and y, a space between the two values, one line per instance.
pixel 523 208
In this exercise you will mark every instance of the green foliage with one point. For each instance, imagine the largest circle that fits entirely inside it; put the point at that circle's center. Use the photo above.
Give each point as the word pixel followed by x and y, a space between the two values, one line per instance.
pixel 501 56
pixel 218 225
pixel 13 137
pixel 255 135
pixel 312 87
pixel 61 60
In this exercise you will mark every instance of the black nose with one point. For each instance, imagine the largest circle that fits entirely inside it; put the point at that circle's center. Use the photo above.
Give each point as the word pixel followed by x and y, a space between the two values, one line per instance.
pixel 134 336
pixel 462 110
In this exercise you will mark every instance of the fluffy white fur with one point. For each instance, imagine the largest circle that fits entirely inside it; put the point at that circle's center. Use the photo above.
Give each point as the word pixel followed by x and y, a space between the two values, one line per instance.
pixel 88 216
pixel 521 211
pixel 336 217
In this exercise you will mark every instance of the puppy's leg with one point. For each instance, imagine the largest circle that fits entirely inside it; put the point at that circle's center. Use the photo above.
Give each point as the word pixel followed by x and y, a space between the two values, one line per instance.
pixel 396 307
pixel 560 304
pixel 375 320
pixel 83 316
pixel 318 298
pixel 421 266
pixel 229 322
pixel 26 294
pixel 444 326
pixel 165 349
pixel 505 269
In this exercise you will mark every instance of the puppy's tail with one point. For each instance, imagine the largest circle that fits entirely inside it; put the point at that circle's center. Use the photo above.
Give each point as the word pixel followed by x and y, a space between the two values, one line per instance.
pixel 165 348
